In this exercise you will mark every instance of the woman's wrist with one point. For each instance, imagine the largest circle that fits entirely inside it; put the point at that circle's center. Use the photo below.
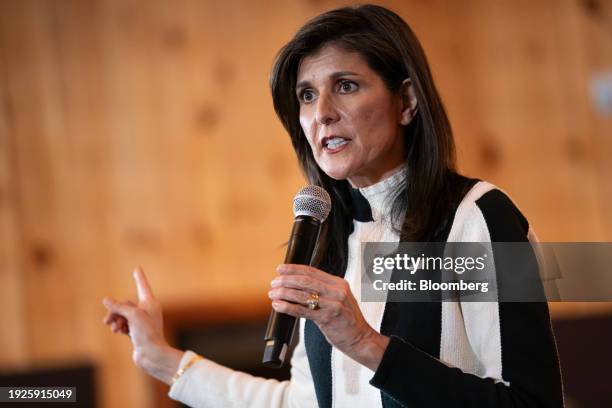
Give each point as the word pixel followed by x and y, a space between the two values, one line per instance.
pixel 160 362
pixel 370 350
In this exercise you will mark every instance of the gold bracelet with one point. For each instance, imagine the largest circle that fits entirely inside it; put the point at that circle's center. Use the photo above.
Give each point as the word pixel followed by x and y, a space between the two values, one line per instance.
pixel 180 371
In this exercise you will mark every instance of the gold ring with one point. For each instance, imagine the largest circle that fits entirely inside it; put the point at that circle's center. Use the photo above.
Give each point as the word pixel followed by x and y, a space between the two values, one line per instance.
pixel 313 301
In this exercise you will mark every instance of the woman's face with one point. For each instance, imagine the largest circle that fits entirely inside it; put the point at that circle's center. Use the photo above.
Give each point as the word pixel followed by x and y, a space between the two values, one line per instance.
pixel 353 123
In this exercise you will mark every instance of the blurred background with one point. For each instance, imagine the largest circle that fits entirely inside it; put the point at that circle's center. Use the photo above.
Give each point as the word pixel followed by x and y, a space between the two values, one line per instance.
pixel 143 133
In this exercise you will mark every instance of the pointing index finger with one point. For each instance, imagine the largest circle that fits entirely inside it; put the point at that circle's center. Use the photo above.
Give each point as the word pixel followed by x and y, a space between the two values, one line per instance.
pixel 142 285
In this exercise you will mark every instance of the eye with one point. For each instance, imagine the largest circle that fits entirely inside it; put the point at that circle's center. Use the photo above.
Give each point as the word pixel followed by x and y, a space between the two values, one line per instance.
pixel 346 86
pixel 307 95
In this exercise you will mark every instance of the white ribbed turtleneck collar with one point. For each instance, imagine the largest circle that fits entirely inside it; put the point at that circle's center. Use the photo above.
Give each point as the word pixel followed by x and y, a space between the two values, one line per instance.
pixel 381 193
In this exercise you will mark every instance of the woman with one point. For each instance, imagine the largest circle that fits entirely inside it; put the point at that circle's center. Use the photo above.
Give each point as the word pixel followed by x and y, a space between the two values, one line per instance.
pixel 354 91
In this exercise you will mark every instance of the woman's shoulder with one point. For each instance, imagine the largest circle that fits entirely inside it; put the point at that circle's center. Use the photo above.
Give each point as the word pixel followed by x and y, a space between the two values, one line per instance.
pixel 487 213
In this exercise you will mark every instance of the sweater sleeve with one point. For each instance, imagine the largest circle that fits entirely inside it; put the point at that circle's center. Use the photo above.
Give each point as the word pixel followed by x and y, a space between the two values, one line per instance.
pixel 208 384
pixel 513 342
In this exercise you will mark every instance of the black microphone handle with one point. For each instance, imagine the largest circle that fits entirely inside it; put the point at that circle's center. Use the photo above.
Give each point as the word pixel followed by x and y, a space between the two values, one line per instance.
pixel 281 326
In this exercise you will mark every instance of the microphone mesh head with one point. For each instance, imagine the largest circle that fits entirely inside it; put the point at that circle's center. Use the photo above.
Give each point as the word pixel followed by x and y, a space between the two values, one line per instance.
pixel 312 201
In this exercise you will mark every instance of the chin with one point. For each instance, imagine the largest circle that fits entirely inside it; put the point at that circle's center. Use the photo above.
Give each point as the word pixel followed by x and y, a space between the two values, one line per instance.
pixel 338 168
pixel 336 174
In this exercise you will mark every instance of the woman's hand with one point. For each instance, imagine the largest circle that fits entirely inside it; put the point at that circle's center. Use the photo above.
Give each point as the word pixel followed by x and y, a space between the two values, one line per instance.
pixel 338 314
pixel 143 323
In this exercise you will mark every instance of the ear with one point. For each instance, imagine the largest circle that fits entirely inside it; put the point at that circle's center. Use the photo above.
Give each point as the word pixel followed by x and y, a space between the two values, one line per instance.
pixel 408 102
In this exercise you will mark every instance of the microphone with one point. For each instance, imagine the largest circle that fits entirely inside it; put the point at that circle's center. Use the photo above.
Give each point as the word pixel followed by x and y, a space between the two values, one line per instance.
pixel 311 206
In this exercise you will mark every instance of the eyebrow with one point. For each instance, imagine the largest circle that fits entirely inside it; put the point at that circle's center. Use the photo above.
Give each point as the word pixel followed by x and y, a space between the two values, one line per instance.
pixel 334 76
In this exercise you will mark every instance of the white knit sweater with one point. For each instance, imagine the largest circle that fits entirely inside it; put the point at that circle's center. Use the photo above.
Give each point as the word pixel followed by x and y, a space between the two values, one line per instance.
pixel 470 338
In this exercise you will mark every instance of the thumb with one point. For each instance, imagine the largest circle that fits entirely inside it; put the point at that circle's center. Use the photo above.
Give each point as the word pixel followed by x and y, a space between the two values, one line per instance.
pixel 119 308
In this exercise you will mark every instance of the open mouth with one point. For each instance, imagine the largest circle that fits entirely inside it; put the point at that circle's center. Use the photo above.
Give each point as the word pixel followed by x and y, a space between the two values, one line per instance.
pixel 334 142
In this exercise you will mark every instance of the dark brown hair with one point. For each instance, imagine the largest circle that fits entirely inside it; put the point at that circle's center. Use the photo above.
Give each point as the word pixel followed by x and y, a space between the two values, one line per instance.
pixel 392 50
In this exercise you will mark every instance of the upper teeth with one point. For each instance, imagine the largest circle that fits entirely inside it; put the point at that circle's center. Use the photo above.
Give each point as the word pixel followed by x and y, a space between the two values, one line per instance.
pixel 336 142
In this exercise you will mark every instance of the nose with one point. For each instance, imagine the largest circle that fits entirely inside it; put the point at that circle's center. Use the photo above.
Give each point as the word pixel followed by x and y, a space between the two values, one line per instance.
pixel 326 112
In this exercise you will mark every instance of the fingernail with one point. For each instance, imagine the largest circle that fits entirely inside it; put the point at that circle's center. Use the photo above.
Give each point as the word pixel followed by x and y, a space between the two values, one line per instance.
pixel 271 294
pixel 274 283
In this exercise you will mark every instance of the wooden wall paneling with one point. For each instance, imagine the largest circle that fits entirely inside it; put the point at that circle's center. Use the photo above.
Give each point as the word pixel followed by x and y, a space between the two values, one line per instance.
pixel 143 133
pixel 586 42
pixel 582 146
pixel 88 210
pixel 527 111
pixel 38 156
pixel 13 337
pixel 137 228
pixel 596 28
pixel 74 35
